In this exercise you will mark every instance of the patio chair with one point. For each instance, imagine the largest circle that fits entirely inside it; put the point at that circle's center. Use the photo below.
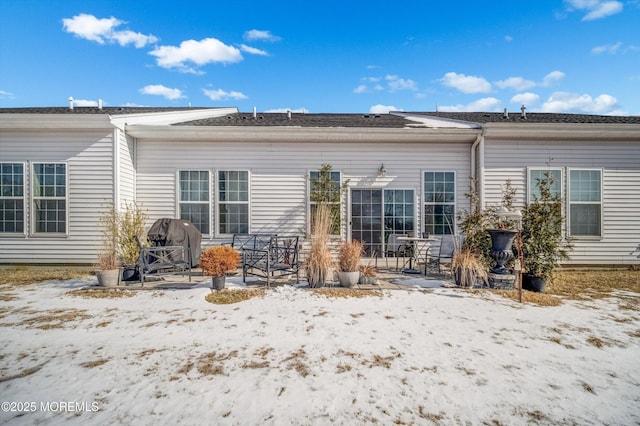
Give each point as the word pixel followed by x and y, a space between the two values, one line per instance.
pixel 395 248
pixel 448 245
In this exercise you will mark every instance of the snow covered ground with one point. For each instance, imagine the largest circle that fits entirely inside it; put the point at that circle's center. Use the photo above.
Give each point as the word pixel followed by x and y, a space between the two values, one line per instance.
pixel 414 356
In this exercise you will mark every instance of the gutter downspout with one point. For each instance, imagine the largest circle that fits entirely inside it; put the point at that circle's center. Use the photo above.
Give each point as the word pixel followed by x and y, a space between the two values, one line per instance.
pixel 477 168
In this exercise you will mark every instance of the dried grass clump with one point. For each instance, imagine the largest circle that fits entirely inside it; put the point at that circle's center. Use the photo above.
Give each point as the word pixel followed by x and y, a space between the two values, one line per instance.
pixel 227 297
pixel 349 256
pixel 468 268
pixel 319 261
pixel 102 293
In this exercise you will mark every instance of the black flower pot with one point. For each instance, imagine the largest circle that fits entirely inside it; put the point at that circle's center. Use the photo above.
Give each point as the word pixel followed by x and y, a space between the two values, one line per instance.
pixel 501 242
pixel 217 283
pixel 533 283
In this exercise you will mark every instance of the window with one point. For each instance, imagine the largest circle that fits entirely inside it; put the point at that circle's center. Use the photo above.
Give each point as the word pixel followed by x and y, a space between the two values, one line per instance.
pixel 585 203
pixel 194 198
pixel 398 211
pixel 233 202
pixel 50 198
pixel 325 185
pixel 12 198
pixel 439 202
pixel 535 175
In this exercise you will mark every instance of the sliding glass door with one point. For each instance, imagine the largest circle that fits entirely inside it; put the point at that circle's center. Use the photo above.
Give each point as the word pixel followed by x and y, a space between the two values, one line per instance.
pixel 378 213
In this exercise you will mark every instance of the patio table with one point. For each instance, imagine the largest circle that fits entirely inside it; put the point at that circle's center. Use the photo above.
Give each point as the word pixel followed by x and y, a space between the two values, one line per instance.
pixel 419 245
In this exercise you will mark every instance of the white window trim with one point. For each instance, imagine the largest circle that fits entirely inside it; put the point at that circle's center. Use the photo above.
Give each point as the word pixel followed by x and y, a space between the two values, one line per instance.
pixel 343 199
pixel 25 188
pixel 423 202
pixel 569 203
pixel 562 180
pixel 32 199
pixel 210 202
pixel 217 203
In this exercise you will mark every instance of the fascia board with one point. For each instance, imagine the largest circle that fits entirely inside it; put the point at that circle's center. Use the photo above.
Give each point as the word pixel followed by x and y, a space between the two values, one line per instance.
pixel 563 131
pixel 301 134
pixel 54 122
pixel 169 117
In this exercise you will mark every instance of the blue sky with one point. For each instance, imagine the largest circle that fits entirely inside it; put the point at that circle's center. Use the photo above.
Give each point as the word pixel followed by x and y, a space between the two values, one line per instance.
pixel 574 56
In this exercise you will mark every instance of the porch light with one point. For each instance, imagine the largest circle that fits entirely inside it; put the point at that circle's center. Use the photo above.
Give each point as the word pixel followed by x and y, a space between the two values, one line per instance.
pixel 382 171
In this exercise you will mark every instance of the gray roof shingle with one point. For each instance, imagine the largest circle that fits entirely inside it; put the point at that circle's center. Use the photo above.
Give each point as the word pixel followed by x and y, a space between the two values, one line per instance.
pixel 335 120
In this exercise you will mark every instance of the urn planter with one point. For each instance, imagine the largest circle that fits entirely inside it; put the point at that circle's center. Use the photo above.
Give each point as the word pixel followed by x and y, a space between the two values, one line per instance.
pixel 501 243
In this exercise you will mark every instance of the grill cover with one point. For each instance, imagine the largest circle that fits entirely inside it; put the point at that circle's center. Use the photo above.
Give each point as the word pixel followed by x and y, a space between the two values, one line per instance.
pixel 177 232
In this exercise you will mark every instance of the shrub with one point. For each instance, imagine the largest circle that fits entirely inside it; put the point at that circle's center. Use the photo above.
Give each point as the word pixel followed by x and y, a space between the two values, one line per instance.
pixel 349 256
pixel 219 260
pixel 468 268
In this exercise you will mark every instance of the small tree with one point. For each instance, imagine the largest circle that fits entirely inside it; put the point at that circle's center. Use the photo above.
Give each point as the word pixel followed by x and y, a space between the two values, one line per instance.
pixel 325 190
pixel 543 246
pixel 119 231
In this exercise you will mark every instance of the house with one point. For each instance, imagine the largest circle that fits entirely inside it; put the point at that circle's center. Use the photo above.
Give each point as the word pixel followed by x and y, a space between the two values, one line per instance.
pixel 231 172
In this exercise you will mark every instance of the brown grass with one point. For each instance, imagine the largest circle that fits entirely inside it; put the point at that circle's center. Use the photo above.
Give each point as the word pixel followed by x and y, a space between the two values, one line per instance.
pixel 339 292
pixel 583 284
pixel 589 284
pixel 102 293
pixel 226 297
pixel 22 275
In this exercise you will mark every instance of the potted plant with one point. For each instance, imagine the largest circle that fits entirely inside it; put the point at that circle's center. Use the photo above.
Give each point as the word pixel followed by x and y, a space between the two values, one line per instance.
pixel 217 262
pixel 503 232
pixel 467 268
pixel 319 263
pixel 368 275
pixel 543 246
pixel 349 256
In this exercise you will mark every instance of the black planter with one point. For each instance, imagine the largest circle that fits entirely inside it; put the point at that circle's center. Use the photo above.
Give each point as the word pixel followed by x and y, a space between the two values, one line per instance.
pixel 501 242
pixel 533 283
pixel 217 283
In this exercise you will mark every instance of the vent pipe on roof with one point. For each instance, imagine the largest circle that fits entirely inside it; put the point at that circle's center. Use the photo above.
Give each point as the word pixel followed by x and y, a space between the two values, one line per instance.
pixel 505 115
pixel 100 104
pixel 70 102
pixel 288 114
pixel 255 113
pixel 524 112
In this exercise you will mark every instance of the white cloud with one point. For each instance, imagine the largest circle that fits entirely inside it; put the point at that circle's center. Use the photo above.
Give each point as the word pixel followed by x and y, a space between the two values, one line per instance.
pixel 222 95
pixel 516 83
pixel 596 9
pixel 129 37
pixel 508 38
pixel 301 110
pixel 552 78
pixel 611 49
pixel 396 83
pixel 200 53
pixel 361 89
pixel 484 104
pixel 253 50
pixel 161 90
pixel 466 83
pixel 260 35
pixel 6 95
pixel 573 102
pixel 383 109
pixel 526 98
pixel 104 30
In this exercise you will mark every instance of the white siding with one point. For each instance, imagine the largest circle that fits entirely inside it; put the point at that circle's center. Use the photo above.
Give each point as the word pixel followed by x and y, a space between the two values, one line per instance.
pixel 89 158
pixel 620 162
pixel 126 171
pixel 278 173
